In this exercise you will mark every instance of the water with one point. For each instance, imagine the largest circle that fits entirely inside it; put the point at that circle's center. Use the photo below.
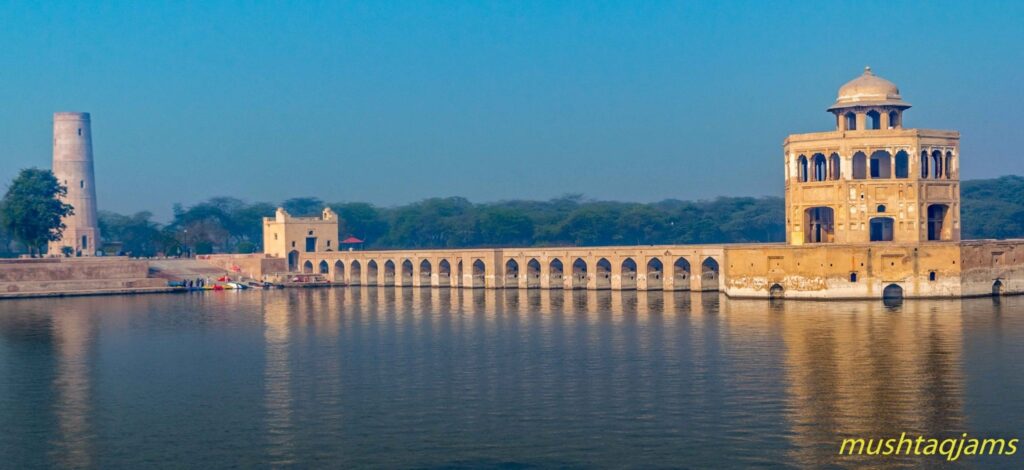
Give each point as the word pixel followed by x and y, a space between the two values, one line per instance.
pixel 437 378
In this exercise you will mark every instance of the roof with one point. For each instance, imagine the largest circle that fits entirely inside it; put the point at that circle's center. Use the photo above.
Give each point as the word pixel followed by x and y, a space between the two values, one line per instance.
pixel 351 241
pixel 868 90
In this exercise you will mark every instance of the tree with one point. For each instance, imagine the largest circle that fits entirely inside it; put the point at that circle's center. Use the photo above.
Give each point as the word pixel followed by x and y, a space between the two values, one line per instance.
pixel 31 211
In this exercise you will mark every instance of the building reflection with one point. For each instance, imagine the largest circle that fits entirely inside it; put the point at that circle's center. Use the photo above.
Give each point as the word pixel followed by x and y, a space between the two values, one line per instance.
pixel 74 334
pixel 277 396
pixel 858 369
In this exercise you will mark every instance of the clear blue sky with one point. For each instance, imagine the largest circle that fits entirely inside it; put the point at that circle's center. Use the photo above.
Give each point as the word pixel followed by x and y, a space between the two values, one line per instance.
pixel 391 102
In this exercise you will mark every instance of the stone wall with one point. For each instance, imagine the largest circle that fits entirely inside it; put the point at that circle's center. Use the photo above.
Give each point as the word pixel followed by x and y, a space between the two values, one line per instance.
pixel 256 265
pixel 56 275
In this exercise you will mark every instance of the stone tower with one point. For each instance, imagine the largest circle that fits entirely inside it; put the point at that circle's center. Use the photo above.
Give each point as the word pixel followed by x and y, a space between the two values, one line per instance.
pixel 72 165
pixel 872 180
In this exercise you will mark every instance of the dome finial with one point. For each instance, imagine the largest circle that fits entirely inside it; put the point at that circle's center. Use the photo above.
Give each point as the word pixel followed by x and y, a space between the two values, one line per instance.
pixel 867 70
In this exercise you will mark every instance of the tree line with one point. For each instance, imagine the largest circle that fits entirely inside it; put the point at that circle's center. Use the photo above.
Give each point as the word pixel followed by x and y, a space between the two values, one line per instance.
pixel 992 208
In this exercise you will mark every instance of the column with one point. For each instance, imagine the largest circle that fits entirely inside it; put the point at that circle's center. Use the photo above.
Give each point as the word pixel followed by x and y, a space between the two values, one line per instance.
pixel 416 272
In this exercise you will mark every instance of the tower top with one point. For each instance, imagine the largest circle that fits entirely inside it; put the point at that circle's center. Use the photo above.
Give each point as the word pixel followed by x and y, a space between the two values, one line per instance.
pixel 70 116
pixel 868 90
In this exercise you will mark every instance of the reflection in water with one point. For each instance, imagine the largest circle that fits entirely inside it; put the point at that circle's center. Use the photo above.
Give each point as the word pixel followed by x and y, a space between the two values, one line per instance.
pixel 403 377
pixel 277 400
pixel 73 332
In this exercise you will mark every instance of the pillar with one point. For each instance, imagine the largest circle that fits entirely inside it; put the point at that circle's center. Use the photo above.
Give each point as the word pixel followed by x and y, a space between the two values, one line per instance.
pixel 615 274
pixel 884 120
pixel 416 271
pixel 862 119
pixel 697 272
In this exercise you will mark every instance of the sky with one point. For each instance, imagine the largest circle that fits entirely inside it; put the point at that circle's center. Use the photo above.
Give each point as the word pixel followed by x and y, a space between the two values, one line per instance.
pixel 393 102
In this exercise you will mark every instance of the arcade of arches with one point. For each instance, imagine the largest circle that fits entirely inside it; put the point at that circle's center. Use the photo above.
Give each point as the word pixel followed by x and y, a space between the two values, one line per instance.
pixel 872 211
pixel 619 268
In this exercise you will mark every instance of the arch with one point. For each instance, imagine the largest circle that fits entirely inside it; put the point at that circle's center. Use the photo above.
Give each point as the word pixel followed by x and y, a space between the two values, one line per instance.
pixel 533 273
pixel 444 273
pixel 894 120
pixel 426 270
pixel 892 292
pixel 881 165
pixel 937 226
pixel 479 273
pixel 874 120
pixel 880 208
pixel 389 273
pixel 835 167
pixel 776 292
pixel 819 225
pixel 604 274
pixel 902 169
pixel 709 273
pixel 307 267
pixel 949 165
pixel 936 165
pixel 655 272
pixel 293 261
pixel 627 280
pixel 881 229
pixel 851 121
pixel 339 271
pixel 860 166
pixel 820 167
pixel 556 271
pixel 924 164
pixel 681 274
pixel 997 288
pixel 801 169
pixel 511 273
pixel 406 279
pixel 853 276
pixel 355 273
pixel 323 267
pixel 372 272
pixel 579 274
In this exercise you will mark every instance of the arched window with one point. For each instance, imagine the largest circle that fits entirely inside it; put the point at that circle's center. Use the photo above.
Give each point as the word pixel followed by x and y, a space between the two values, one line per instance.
pixel 835 167
pixel 820 225
pixel 937 222
pixel 949 165
pixel 924 164
pixel 894 120
pixel 820 167
pixel 881 165
pixel 801 169
pixel 853 277
pixel 874 120
pixel 936 164
pixel 881 229
pixel 880 208
pixel 902 164
pixel 851 121
pixel 860 166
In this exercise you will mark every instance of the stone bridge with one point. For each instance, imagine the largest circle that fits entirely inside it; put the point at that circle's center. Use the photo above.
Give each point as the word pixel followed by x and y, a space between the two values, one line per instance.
pixel 692 267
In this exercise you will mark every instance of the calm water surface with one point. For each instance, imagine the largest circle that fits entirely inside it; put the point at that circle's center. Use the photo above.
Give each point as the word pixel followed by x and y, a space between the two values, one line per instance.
pixel 435 378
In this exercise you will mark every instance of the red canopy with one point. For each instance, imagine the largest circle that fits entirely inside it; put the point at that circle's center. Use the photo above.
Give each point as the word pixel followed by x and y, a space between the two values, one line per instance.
pixel 351 241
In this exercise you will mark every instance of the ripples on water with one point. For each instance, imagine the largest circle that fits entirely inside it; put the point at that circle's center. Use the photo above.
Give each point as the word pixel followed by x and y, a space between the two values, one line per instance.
pixel 437 378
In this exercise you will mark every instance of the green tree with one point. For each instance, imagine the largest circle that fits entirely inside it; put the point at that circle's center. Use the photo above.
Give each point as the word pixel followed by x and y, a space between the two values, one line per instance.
pixel 303 206
pixel 31 211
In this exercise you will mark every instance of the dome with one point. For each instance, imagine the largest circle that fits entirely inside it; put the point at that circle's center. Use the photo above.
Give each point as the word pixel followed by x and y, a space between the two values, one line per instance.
pixel 868 90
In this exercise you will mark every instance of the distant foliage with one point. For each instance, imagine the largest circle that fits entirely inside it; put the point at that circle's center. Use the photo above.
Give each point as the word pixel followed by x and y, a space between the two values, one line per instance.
pixel 31 210
pixel 991 209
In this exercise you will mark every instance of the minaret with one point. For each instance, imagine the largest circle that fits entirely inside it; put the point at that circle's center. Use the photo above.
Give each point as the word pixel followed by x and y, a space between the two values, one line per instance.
pixel 72 165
